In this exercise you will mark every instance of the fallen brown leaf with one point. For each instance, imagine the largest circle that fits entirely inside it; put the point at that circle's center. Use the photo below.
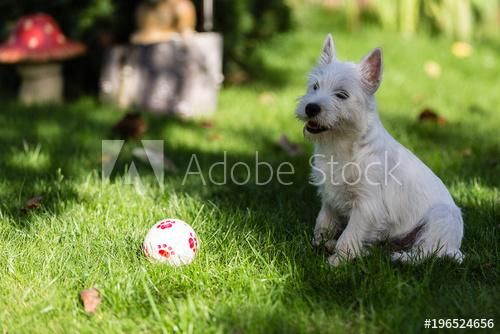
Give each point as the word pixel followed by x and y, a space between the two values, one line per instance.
pixel 292 149
pixel 429 115
pixel 207 124
pixel 266 98
pixel 32 203
pixel 442 120
pixel 90 299
pixel 461 49
pixel 237 78
pixel 466 152
pixel 214 137
pixel 417 98
pixel 432 69
pixel 131 126
pixel 106 158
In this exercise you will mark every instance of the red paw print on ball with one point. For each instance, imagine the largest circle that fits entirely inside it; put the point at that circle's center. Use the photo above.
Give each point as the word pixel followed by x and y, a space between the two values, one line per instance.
pixel 193 242
pixel 165 224
pixel 165 250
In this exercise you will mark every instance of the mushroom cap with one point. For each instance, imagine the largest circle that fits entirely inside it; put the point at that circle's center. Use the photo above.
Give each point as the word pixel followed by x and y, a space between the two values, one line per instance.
pixel 38 38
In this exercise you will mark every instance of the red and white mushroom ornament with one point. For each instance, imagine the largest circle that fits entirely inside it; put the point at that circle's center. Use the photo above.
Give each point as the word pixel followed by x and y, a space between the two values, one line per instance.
pixel 38 45
pixel 171 241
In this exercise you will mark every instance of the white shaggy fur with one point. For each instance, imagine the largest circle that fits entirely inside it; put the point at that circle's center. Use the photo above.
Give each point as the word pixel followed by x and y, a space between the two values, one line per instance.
pixel 365 177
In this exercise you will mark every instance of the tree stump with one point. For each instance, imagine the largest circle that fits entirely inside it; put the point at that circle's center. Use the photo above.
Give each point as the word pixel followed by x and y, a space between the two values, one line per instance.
pixel 181 76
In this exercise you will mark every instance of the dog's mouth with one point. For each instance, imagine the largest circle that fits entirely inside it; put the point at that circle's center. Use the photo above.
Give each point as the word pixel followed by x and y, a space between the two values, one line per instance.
pixel 315 127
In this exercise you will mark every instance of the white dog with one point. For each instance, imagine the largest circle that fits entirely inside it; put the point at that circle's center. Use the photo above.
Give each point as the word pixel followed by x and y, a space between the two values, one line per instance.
pixel 365 177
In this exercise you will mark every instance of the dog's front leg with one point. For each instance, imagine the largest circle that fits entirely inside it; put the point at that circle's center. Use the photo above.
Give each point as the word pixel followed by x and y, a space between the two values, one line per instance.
pixel 356 233
pixel 327 225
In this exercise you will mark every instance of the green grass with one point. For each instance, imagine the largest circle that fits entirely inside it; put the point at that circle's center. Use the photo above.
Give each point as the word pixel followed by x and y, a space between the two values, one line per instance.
pixel 256 272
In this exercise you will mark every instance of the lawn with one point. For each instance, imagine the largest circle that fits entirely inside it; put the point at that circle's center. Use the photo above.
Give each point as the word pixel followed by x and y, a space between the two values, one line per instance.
pixel 257 272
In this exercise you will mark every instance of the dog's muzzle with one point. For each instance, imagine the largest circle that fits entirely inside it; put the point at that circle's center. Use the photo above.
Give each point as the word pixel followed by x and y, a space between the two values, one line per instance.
pixel 314 127
pixel 312 110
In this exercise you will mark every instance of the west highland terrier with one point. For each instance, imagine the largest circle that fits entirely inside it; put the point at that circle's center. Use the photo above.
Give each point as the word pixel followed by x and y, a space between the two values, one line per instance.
pixel 372 188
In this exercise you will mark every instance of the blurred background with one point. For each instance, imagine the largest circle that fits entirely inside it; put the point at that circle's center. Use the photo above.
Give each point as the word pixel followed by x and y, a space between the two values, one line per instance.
pixel 100 24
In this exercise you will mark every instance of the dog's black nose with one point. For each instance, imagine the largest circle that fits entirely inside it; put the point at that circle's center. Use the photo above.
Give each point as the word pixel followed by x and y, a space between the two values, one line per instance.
pixel 312 109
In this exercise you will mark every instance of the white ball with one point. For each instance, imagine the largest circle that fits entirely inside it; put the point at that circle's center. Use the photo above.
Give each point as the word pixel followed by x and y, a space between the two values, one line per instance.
pixel 171 241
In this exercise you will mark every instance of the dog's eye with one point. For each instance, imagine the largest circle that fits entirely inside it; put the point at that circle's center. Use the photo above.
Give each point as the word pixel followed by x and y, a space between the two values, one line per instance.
pixel 342 95
pixel 316 86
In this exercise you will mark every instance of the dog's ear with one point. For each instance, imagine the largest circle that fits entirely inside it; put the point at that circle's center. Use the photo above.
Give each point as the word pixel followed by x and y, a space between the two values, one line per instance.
pixel 371 70
pixel 327 52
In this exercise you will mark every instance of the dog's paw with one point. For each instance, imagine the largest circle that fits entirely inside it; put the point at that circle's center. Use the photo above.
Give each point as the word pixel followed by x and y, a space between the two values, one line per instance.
pixel 318 237
pixel 324 237
pixel 399 256
pixel 335 260
pixel 330 246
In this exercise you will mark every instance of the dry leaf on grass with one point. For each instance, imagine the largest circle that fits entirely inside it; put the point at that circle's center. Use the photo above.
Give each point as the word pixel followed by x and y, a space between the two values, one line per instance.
pixel 156 159
pixel 432 69
pixel 105 158
pixel 292 149
pixel 132 125
pixel 266 98
pixel 207 124
pixel 214 137
pixel 461 49
pixel 90 299
pixel 417 98
pixel 466 152
pixel 429 115
pixel 237 78
pixel 31 204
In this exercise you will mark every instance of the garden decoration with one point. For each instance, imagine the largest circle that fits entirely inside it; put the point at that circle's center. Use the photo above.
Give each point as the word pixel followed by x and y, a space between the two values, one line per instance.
pixel 171 71
pixel 38 45
pixel 159 20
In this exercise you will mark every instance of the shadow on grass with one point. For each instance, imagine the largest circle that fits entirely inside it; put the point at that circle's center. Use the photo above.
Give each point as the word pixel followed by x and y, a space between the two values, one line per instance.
pixel 374 284
pixel 454 151
pixel 43 149
pixel 70 137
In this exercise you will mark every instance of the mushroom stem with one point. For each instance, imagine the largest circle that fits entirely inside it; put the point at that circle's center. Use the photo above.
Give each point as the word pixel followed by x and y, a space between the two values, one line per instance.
pixel 41 83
